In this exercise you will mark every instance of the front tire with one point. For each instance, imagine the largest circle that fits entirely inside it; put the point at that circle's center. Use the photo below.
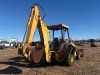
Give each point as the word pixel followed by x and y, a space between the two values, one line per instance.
pixel 77 55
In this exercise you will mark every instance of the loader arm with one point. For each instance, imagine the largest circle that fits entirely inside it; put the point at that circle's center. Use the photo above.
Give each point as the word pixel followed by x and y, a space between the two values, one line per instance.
pixel 35 21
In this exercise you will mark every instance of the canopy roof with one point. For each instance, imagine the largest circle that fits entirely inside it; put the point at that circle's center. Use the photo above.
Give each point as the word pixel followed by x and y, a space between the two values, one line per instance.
pixel 57 27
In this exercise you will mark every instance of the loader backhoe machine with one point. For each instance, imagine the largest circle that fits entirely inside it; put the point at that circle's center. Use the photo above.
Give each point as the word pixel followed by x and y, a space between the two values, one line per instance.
pixel 45 51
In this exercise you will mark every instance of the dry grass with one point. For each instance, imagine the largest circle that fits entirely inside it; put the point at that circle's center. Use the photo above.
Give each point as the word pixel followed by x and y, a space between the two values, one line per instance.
pixel 12 63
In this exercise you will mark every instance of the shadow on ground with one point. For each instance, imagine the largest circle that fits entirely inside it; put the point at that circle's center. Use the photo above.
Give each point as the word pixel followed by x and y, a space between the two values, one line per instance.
pixel 10 70
pixel 20 62
pixel 16 61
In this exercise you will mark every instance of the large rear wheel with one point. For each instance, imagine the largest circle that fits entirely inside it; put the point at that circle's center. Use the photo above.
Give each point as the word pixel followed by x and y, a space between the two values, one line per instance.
pixel 70 59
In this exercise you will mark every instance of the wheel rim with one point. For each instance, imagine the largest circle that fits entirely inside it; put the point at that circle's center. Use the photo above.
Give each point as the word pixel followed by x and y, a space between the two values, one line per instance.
pixel 72 58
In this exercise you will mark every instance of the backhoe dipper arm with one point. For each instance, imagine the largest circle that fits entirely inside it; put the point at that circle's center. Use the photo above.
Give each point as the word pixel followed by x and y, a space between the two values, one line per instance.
pixel 32 24
pixel 35 21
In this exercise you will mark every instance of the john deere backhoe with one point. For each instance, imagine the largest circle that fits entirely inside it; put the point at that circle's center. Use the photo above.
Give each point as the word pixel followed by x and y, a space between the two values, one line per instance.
pixel 46 51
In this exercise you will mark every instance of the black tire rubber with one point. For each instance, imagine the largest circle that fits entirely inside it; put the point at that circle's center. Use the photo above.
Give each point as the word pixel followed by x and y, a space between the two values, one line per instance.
pixel 69 61
pixel 77 55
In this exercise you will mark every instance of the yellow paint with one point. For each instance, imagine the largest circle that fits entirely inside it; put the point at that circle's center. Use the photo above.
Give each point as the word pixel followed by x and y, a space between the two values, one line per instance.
pixel 35 21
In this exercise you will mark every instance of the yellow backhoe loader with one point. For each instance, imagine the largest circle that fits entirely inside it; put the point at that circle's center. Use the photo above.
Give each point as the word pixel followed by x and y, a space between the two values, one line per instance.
pixel 58 50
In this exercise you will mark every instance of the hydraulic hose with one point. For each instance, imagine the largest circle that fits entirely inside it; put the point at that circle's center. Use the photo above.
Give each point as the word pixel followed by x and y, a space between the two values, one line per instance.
pixel 42 10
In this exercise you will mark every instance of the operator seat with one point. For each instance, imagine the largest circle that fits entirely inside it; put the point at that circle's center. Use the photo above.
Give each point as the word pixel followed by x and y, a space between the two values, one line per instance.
pixel 56 43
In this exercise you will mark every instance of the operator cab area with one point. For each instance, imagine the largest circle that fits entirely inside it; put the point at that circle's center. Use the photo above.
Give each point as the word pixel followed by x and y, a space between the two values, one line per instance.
pixel 58 29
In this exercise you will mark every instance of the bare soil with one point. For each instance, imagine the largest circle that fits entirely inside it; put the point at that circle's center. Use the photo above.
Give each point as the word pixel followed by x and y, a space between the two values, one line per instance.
pixel 12 64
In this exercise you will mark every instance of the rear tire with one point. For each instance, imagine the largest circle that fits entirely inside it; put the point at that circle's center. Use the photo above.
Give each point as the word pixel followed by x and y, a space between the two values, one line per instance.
pixel 70 59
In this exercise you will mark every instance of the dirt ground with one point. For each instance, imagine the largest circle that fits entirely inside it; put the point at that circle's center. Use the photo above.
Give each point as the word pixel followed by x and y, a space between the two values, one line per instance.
pixel 12 63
